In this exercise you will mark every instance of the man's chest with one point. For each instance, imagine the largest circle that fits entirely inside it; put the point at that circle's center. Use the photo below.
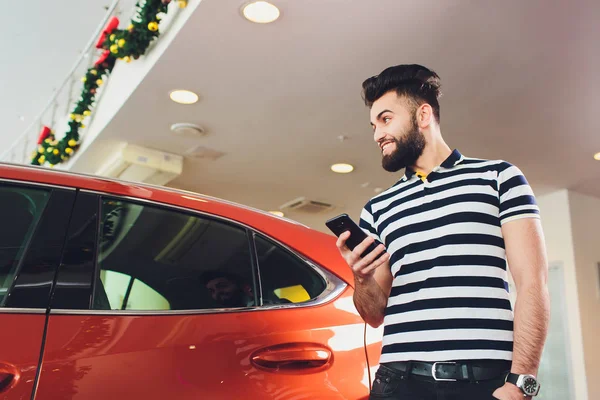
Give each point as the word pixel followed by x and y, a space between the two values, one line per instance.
pixel 441 209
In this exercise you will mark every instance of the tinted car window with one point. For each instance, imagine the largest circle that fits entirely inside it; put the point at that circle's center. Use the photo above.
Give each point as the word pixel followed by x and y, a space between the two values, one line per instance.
pixel 285 277
pixel 20 212
pixel 152 258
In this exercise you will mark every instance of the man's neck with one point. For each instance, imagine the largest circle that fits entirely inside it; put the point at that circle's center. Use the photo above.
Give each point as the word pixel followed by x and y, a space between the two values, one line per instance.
pixel 434 154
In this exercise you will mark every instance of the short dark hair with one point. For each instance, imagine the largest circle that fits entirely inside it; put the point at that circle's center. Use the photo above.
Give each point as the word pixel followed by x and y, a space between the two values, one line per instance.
pixel 216 274
pixel 416 83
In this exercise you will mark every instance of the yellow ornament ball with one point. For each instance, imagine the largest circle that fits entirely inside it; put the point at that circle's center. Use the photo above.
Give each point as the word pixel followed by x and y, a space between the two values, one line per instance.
pixel 153 26
pixel 69 150
pixel 127 59
pixel 121 42
pixel 73 116
pixel 130 27
pixel 83 79
pixel 78 118
pixel 112 37
pixel 82 126
pixel 47 140
pixel 49 149
pixel 94 72
pixel 99 82
pixel 55 152
pixel 40 149
pixel 42 159
pixel 87 113
pixel 182 3
pixel 72 143
pixel 114 49
pixel 51 165
pixel 34 154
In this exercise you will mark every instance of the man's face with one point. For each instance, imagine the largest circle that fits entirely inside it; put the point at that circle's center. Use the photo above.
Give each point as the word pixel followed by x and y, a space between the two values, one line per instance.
pixel 396 132
pixel 225 292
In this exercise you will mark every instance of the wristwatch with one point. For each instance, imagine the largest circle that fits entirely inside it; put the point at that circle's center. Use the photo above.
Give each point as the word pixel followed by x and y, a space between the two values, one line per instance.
pixel 527 383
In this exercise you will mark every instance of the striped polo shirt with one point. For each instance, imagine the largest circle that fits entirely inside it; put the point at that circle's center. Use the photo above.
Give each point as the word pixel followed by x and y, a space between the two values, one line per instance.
pixel 449 298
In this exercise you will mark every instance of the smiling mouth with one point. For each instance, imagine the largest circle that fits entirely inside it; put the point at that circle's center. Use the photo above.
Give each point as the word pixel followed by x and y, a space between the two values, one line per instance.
pixel 385 145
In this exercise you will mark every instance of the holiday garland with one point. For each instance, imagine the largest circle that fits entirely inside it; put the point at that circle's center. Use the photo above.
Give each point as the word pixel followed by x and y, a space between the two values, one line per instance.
pixel 125 44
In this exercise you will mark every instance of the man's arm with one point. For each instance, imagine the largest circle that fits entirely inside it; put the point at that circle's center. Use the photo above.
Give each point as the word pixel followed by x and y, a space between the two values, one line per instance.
pixel 526 255
pixel 371 295
pixel 372 277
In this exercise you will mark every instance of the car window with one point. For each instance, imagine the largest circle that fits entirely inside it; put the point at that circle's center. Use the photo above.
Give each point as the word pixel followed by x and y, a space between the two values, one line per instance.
pixel 20 212
pixel 152 258
pixel 284 277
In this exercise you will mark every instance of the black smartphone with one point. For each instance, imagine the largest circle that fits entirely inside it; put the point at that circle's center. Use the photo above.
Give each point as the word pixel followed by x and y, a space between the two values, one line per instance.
pixel 343 223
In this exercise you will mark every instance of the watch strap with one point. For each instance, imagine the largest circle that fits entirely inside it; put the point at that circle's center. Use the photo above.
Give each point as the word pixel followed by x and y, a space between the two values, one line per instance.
pixel 512 378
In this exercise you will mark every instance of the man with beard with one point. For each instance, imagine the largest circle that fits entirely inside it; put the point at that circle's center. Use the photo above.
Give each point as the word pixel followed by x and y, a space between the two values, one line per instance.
pixel 228 290
pixel 449 225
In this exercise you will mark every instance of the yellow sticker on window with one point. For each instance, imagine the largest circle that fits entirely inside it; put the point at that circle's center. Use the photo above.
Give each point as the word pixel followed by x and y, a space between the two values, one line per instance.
pixel 295 294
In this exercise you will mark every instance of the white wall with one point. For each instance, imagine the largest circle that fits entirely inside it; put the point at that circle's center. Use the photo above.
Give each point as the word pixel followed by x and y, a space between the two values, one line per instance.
pixel 557 224
pixel 585 218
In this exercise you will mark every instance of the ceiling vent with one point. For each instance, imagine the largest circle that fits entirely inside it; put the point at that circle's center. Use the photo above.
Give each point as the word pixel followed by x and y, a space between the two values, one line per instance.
pixel 140 164
pixel 304 205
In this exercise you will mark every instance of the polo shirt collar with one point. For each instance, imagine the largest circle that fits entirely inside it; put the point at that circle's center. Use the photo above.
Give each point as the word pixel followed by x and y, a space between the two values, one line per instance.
pixel 453 159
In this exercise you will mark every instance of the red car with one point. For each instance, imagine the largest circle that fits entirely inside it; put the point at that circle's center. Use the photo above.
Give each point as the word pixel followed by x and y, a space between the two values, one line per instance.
pixel 112 290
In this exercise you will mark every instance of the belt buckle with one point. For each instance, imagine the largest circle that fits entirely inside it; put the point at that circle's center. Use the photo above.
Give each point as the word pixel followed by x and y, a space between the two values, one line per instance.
pixel 433 371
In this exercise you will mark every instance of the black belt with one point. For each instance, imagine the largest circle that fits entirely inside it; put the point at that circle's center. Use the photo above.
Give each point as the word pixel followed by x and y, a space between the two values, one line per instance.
pixel 454 371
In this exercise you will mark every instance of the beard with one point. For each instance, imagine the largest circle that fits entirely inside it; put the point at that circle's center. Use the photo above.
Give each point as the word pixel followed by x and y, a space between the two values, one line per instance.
pixel 235 300
pixel 408 150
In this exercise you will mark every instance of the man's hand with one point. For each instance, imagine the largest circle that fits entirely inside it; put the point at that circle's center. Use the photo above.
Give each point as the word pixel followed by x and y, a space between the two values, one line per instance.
pixel 363 268
pixel 510 392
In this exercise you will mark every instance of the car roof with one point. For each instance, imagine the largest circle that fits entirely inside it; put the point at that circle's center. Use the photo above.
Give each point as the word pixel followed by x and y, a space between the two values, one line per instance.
pixel 315 245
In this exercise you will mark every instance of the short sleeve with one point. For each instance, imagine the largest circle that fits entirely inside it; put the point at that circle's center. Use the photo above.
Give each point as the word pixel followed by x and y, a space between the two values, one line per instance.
pixel 516 197
pixel 367 223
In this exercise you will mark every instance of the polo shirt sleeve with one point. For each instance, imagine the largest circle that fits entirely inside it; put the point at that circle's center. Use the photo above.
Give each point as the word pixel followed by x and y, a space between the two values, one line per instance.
pixel 516 197
pixel 367 223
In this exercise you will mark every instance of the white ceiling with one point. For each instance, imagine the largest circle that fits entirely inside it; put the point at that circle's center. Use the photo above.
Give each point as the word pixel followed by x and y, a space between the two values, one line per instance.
pixel 519 78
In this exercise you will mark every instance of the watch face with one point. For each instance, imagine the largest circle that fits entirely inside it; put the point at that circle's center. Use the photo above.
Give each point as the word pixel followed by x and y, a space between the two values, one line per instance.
pixel 530 385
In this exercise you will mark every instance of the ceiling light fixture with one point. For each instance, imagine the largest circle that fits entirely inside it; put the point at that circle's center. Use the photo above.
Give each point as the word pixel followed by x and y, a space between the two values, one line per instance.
pixel 342 168
pixel 261 12
pixel 278 213
pixel 597 156
pixel 183 96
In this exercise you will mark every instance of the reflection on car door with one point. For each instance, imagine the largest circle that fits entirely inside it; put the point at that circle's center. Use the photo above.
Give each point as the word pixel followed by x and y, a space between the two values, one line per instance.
pixel 32 232
pixel 157 303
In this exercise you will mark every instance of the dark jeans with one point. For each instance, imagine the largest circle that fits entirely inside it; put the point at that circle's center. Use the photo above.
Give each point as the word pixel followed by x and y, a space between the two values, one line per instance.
pixel 391 384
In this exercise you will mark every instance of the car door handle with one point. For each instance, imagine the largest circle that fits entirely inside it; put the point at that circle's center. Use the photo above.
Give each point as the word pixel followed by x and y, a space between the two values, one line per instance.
pixel 9 376
pixel 293 357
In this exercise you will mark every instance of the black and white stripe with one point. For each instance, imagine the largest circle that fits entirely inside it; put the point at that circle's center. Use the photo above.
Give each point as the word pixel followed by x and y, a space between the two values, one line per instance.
pixel 449 299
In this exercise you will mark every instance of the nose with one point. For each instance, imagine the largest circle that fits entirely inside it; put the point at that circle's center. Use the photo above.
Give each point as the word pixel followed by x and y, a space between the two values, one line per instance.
pixel 378 135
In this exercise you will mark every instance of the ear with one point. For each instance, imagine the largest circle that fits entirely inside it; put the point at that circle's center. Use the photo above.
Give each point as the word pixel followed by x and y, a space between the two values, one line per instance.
pixel 425 116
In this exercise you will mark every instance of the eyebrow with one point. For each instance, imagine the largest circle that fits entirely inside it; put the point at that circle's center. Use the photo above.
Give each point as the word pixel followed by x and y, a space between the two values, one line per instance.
pixel 380 114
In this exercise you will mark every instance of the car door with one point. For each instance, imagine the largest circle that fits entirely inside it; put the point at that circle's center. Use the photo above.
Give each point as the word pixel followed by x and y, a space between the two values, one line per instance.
pixel 33 221
pixel 158 302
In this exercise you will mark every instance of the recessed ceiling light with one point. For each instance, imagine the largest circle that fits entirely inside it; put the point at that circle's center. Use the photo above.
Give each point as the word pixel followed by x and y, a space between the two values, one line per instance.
pixel 261 12
pixel 183 96
pixel 278 213
pixel 597 156
pixel 342 168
